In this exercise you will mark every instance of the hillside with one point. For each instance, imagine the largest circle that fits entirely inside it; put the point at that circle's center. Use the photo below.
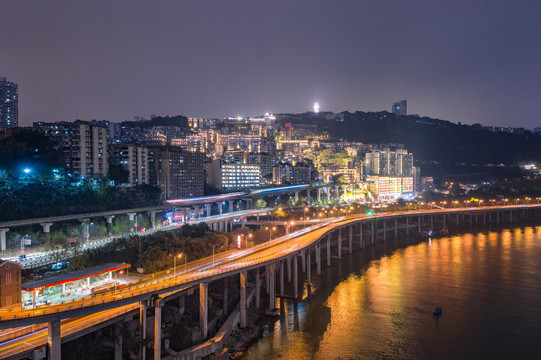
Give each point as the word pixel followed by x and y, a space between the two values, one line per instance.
pixel 439 147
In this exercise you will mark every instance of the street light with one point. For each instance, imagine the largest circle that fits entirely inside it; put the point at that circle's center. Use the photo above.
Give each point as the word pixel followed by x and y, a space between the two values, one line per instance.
pixel 213 246
pixel 175 264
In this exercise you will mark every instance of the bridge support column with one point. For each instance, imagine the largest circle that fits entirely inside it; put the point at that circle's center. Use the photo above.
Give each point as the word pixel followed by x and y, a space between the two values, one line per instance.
pixel 289 269
pixel 419 219
pixel 497 218
pixel 196 210
pixel 109 221
pixel 152 219
pixel 118 341
pixel 457 220
pixel 282 278
pixel 373 233
pixel 272 287
pixel 257 288
pixel 203 309
pixel 243 299
pixel 181 304
pixel 431 222
pixel 511 216
pixel 295 277
pixel 142 329
pixel 225 296
pixel 220 209
pixel 131 217
pixel 395 227
pixel 318 257
pixel 407 225
pixel 267 278
pixel 340 243
pixel 303 262
pixel 296 196
pixel 54 340
pixel 158 330
pixel 328 250
pixel 308 268
pixel 384 230
pixel 3 238
pixel 208 208
pixel 47 229
pixel 350 239
pixel 444 221
pixel 484 218
pixel 361 242
pixel 231 208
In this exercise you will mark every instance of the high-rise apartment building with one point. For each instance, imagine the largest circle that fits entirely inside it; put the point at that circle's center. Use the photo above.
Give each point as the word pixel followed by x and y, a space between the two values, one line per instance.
pixel 9 104
pixel 178 173
pixel 385 162
pixel 83 144
pixel 400 108
pixel 133 158
pixel 229 177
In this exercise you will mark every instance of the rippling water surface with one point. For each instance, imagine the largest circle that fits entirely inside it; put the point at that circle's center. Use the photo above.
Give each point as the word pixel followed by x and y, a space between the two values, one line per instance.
pixel 378 304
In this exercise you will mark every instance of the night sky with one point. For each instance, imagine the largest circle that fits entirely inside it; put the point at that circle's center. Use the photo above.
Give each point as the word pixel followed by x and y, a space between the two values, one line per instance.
pixel 468 61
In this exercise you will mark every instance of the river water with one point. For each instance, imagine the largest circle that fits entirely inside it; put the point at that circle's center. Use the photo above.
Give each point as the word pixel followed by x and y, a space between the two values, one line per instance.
pixel 378 303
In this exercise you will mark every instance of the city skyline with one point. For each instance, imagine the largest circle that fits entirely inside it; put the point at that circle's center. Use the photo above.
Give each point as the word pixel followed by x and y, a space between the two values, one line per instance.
pixel 473 63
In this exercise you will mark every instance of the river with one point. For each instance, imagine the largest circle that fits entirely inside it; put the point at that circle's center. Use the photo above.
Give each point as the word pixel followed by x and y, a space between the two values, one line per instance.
pixel 378 303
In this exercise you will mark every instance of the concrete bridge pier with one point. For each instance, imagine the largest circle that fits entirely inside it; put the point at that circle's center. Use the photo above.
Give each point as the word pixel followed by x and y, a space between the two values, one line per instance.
pixel 308 272
pixel 197 211
pixel 272 286
pixel 243 304
pixel 384 230
pixel 407 225
pixel 288 269
pixel 203 309
pixel 295 277
pixel 303 262
pixel 118 341
pixel 230 208
pixel 318 257
pixel 373 232
pixel 296 196
pixel 267 278
pixel 282 292
pixel 350 250
pixel 109 221
pixel 181 304
pixel 208 208
pixel 257 289
pixel 457 220
pixel 361 242
pixel 47 229
pixel 339 243
pixel 225 296
pixel 431 222
pixel 152 218
pixel 142 329
pixel 444 221
pixel 131 217
pixel 54 341
pixel 328 250
pixel 158 329
pixel 498 217
pixel 3 238
pixel 395 228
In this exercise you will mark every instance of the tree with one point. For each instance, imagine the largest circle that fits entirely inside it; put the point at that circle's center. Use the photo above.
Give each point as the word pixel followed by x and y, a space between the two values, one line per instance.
pixel 260 204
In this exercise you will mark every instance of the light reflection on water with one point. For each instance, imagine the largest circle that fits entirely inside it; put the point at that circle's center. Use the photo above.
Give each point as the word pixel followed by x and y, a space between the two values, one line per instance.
pixel 378 304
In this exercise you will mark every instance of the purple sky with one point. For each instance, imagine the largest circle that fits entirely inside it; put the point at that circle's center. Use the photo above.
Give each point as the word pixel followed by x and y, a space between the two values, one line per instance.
pixel 469 61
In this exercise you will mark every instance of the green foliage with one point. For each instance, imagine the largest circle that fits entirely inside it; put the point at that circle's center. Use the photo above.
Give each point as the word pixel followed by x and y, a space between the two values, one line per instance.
pixel 260 204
